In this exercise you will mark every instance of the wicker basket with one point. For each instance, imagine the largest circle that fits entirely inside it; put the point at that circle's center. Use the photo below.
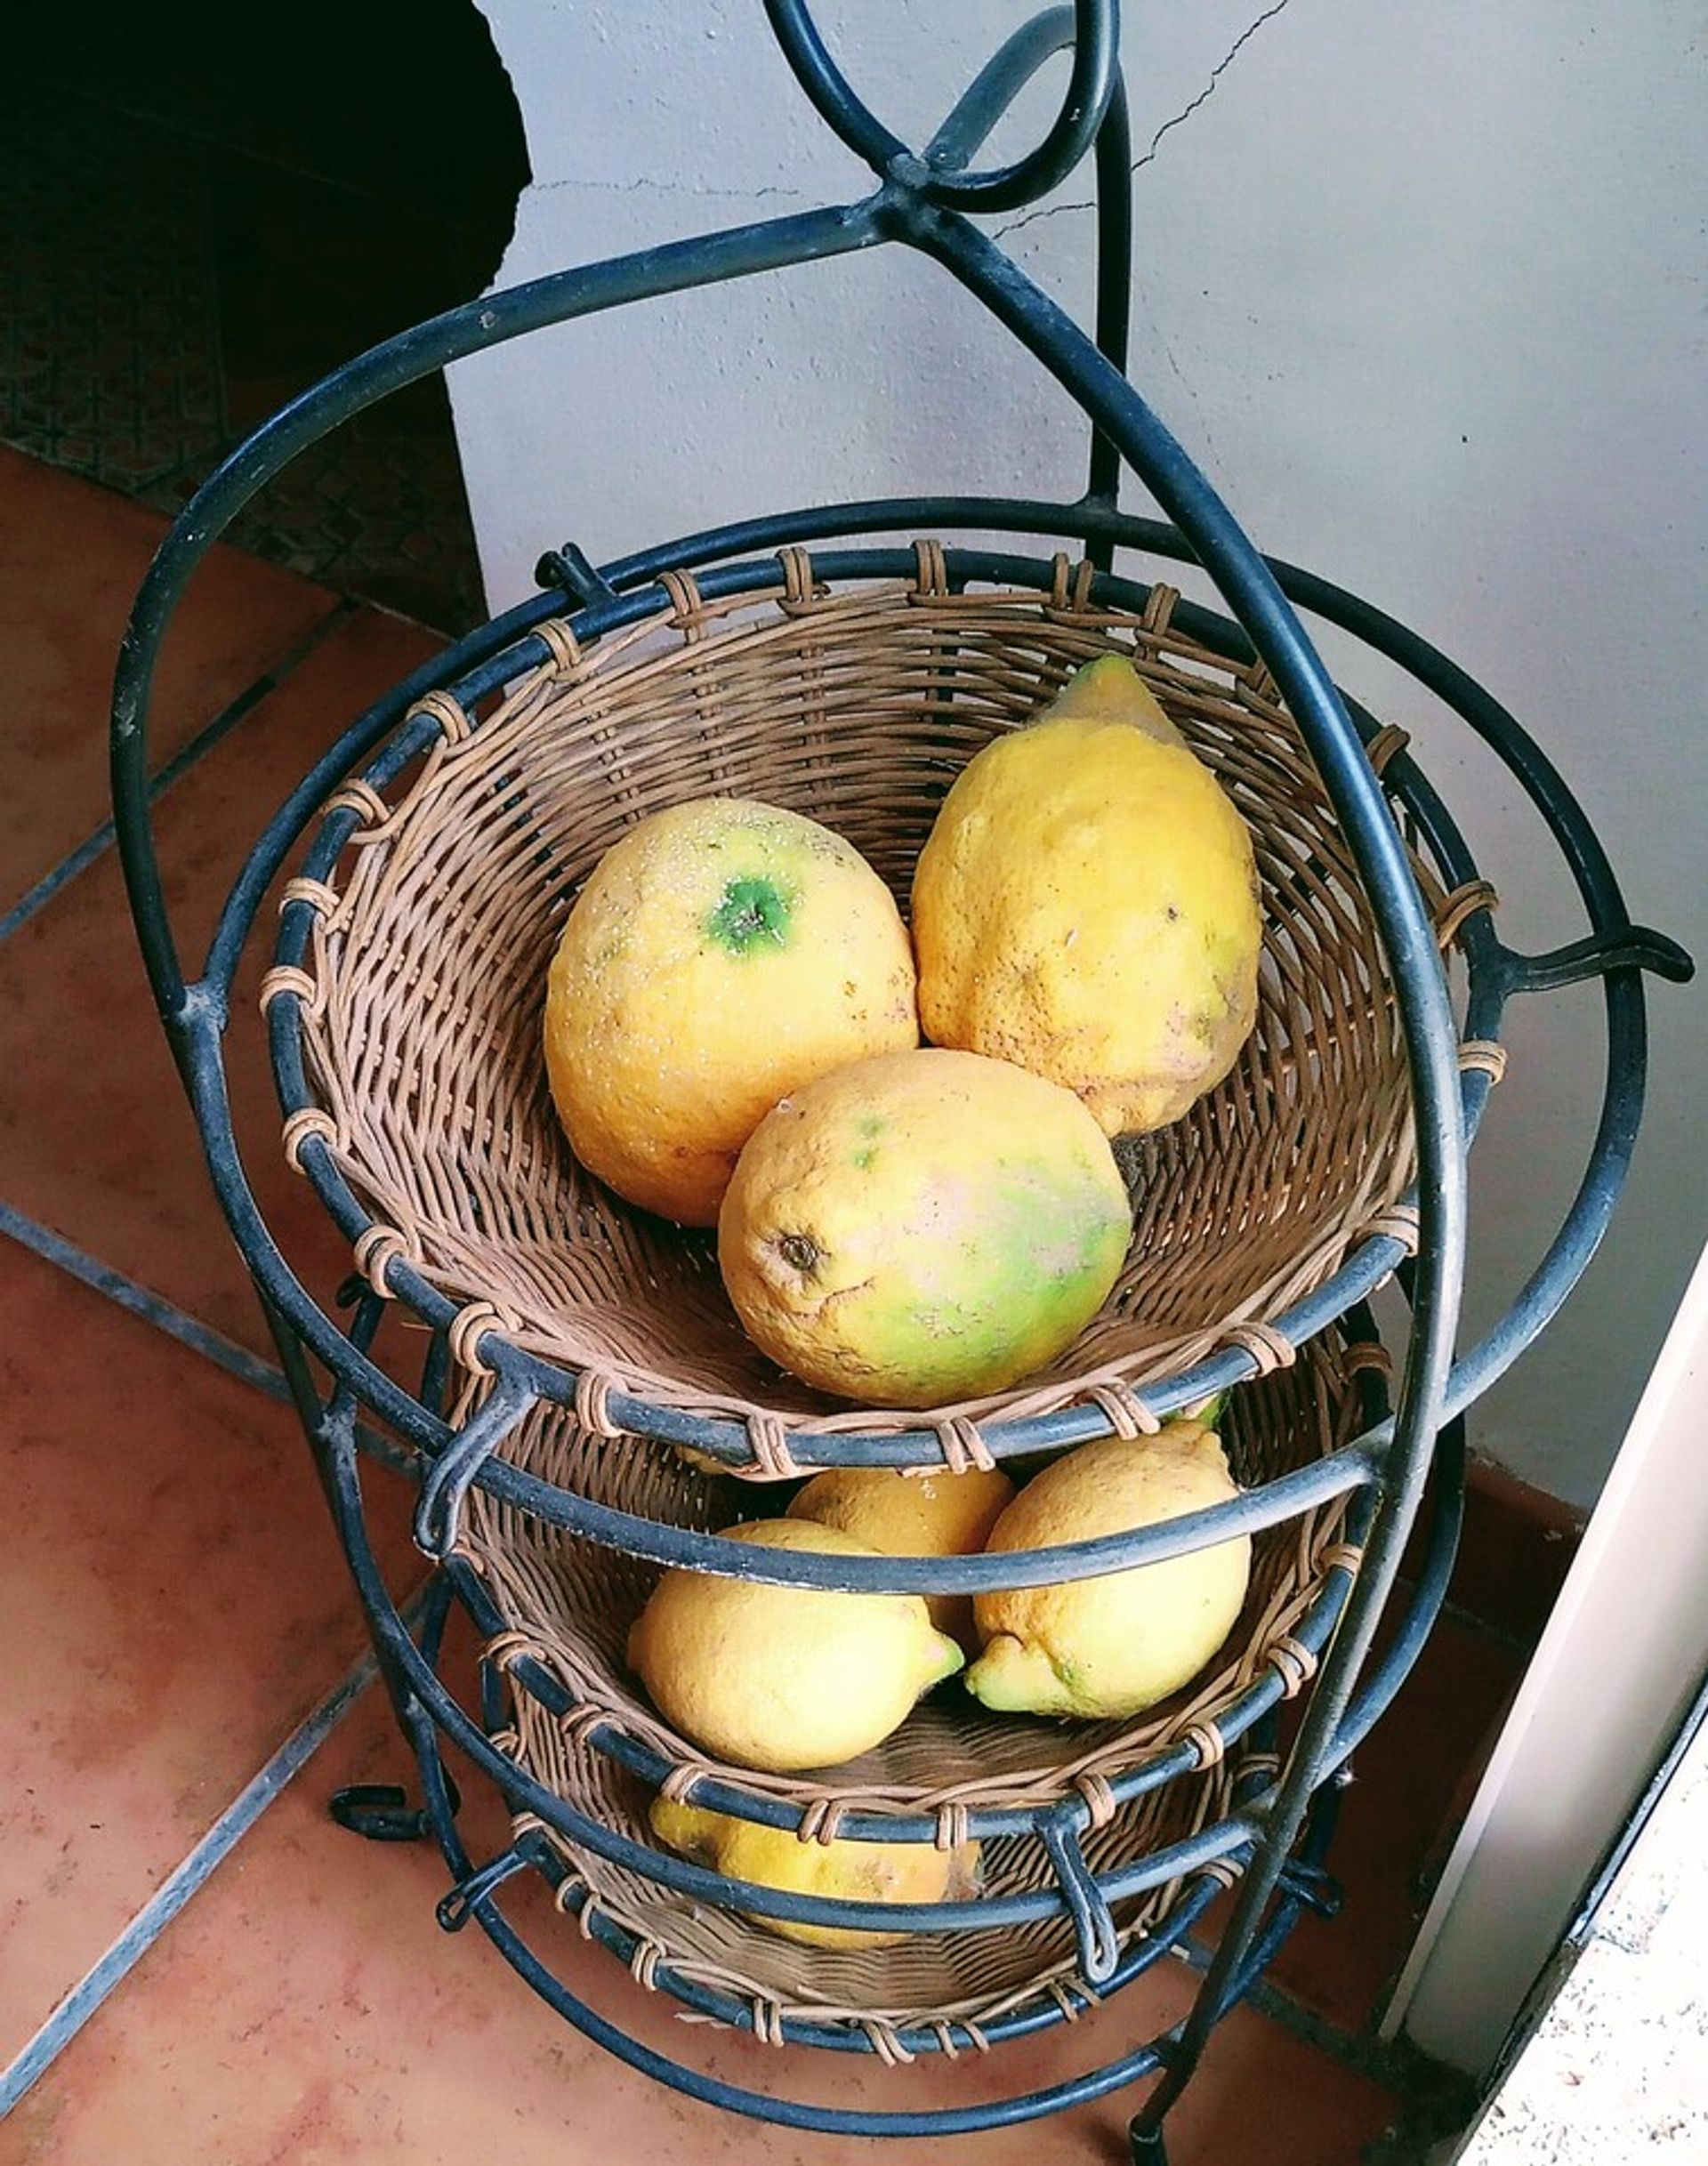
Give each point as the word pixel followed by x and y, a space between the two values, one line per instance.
pixel 421 991
pixel 568 1604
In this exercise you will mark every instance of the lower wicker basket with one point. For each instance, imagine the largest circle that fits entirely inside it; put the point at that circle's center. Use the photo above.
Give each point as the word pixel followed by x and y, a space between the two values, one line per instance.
pixel 568 1604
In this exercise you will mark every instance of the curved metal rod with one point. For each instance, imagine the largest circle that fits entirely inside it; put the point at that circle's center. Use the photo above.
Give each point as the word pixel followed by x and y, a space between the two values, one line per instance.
pixel 959 139
pixel 1113 322
pixel 1419 985
pixel 827 89
pixel 489 320
pixel 1096 39
pixel 1376 1691
pixel 995 88
pixel 444 1484
pixel 680 1548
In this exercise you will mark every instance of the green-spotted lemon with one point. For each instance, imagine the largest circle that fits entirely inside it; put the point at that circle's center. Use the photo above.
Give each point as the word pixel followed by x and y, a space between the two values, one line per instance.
pixel 941 1514
pixel 1086 903
pixel 854 1872
pixel 923 1228
pixel 1116 1645
pixel 784 1678
pixel 721 954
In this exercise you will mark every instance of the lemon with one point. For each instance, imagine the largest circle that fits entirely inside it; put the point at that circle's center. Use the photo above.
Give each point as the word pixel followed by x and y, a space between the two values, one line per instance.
pixel 1116 1645
pixel 913 1515
pixel 1086 905
pixel 784 1678
pixel 721 954
pixel 923 1228
pixel 854 1872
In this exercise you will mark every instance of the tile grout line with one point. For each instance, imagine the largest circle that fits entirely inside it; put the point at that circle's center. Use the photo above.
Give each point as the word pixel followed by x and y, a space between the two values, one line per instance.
pixel 151 1308
pixel 70 2015
pixel 147 1307
pixel 95 845
pixel 139 1300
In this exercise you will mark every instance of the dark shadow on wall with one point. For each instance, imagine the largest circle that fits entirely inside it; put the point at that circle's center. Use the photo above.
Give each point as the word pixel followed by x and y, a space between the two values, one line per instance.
pixel 203 208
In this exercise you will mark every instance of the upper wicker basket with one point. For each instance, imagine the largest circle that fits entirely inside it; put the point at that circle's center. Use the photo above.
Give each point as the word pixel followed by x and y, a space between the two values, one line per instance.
pixel 425 974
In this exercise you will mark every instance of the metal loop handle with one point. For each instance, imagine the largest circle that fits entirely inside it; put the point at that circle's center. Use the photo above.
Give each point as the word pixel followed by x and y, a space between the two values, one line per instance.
pixel 438 1509
pixel 1094 32
pixel 1094 1929
pixel 455 1909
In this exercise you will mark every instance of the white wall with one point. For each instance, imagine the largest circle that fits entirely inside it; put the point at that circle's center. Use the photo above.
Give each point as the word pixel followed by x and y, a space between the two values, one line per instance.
pixel 1422 287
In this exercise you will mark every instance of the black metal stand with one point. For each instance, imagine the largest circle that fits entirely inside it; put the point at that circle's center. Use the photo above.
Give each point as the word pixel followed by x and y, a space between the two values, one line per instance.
pixel 925 201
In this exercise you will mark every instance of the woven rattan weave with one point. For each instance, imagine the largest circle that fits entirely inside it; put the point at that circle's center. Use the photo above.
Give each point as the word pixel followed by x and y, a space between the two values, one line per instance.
pixel 569 1603
pixel 427 971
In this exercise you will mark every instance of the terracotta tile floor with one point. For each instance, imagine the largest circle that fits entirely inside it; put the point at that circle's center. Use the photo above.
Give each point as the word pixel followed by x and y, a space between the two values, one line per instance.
pixel 97 1147
pixel 71 559
pixel 170 1653
pixel 174 1605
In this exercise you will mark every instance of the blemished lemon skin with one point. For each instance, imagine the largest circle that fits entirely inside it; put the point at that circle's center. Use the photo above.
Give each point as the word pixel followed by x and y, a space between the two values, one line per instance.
pixel 940 1514
pixel 781 1679
pixel 1087 906
pixel 721 954
pixel 853 1872
pixel 923 1228
pixel 1117 1645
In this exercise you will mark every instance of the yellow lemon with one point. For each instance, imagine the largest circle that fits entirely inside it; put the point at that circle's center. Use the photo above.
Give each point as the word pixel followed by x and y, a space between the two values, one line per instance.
pixel 913 1515
pixel 1117 1645
pixel 721 954
pixel 784 1678
pixel 923 1228
pixel 1086 905
pixel 854 1872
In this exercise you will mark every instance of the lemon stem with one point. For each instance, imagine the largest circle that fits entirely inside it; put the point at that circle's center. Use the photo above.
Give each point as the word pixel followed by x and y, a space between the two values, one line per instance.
pixel 1010 1678
pixel 947 1656
pixel 750 913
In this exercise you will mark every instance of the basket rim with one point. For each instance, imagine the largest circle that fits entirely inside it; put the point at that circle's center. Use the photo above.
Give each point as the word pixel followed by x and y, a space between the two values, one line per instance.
pixel 479 1332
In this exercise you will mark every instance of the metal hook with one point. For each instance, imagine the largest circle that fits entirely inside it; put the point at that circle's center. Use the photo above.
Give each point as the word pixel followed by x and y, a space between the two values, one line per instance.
pixel 1092 31
pixel 455 1909
pixel 382 1812
pixel 439 1510
pixel 571 570
pixel 1634 948
pixel 1100 1944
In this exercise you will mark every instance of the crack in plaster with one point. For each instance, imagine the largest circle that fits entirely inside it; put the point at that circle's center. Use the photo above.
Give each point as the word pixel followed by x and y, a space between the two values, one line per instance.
pixel 667 188
pixel 1052 210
